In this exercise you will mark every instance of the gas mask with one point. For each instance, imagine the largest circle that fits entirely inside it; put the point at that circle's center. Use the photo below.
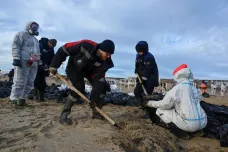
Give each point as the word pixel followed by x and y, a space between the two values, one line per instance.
pixel 33 30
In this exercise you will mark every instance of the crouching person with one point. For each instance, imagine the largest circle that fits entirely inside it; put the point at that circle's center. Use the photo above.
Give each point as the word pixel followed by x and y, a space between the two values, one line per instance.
pixel 180 108
pixel 87 59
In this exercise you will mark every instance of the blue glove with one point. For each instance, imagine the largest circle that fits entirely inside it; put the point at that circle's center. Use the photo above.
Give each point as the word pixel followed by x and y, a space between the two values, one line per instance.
pixel 17 62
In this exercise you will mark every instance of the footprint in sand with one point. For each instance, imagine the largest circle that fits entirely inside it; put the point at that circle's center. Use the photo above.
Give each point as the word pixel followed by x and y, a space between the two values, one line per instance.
pixel 47 126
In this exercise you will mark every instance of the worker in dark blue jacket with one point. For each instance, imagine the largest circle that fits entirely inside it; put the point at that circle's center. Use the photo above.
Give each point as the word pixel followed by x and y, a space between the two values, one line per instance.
pixel 47 54
pixel 146 68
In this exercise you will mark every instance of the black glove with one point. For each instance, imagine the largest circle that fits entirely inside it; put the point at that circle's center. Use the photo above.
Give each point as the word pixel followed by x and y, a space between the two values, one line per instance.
pixel 146 97
pixel 92 105
pixel 17 62
pixel 153 97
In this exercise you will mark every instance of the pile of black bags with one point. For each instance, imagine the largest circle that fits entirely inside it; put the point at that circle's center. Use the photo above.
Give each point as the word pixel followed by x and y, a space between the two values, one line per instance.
pixel 5 89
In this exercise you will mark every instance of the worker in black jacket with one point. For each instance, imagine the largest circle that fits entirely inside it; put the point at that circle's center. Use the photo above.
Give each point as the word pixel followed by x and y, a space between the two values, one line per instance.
pixel 90 60
pixel 146 68
pixel 47 54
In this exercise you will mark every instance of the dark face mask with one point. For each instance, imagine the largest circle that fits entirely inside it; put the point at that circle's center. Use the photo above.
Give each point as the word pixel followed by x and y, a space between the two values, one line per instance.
pixel 34 29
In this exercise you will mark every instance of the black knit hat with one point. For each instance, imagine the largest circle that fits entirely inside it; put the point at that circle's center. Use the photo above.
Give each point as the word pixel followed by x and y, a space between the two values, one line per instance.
pixel 53 42
pixel 142 46
pixel 107 46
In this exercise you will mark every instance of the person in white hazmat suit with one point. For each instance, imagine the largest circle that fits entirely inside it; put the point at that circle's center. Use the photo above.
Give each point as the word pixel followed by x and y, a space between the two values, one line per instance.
pixel 213 88
pixel 180 108
pixel 26 54
pixel 223 89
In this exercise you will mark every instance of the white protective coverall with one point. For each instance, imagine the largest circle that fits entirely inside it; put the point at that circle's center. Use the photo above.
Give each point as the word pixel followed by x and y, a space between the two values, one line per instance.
pixel 181 105
pixel 223 89
pixel 213 88
pixel 24 46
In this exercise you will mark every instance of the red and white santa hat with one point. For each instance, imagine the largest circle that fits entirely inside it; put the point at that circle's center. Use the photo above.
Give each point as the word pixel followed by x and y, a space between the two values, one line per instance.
pixel 180 68
pixel 181 73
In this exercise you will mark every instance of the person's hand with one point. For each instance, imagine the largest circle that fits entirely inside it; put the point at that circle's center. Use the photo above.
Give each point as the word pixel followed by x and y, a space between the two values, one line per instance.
pixel 53 70
pixel 17 62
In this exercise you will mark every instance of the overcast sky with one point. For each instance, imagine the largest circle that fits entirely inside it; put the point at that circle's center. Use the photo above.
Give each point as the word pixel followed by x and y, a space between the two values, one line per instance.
pixel 194 32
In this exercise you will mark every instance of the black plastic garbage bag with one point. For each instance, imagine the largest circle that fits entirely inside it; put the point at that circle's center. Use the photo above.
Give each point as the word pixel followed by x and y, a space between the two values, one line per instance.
pixel 5 89
pixel 223 133
pixel 120 98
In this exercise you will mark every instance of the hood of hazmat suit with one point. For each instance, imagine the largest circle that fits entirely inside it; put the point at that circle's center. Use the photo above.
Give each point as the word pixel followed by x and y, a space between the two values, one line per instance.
pixel 25 44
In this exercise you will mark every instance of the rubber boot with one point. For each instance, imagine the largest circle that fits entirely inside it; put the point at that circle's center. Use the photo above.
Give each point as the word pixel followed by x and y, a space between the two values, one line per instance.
pixel 179 132
pixel 66 111
pixel 21 102
pixel 41 96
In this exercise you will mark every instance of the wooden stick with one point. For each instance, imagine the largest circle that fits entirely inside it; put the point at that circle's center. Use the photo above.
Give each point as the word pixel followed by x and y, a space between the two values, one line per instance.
pixel 86 99
pixel 142 84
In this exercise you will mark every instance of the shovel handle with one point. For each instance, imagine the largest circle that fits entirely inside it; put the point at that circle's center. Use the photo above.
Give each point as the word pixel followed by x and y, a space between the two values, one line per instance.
pixel 142 84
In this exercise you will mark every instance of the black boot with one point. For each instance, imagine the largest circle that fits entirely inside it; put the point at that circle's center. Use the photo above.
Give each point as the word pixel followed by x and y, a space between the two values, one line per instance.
pixel 41 96
pixel 179 132
pixel 66 111
pixel 21 102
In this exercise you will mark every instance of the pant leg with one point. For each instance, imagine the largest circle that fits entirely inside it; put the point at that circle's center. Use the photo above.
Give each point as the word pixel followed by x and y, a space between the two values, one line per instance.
pixel 149 89
pixel 37 81
pixel 30 80
pixel 10 79
pixel 19 81
pixel 98 87
pixel 77 81
pixel 42 81
pixel 138 91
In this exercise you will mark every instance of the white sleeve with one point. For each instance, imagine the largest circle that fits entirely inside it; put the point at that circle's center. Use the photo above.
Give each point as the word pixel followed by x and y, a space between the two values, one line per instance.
pixel 17 45
pixel 166 103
